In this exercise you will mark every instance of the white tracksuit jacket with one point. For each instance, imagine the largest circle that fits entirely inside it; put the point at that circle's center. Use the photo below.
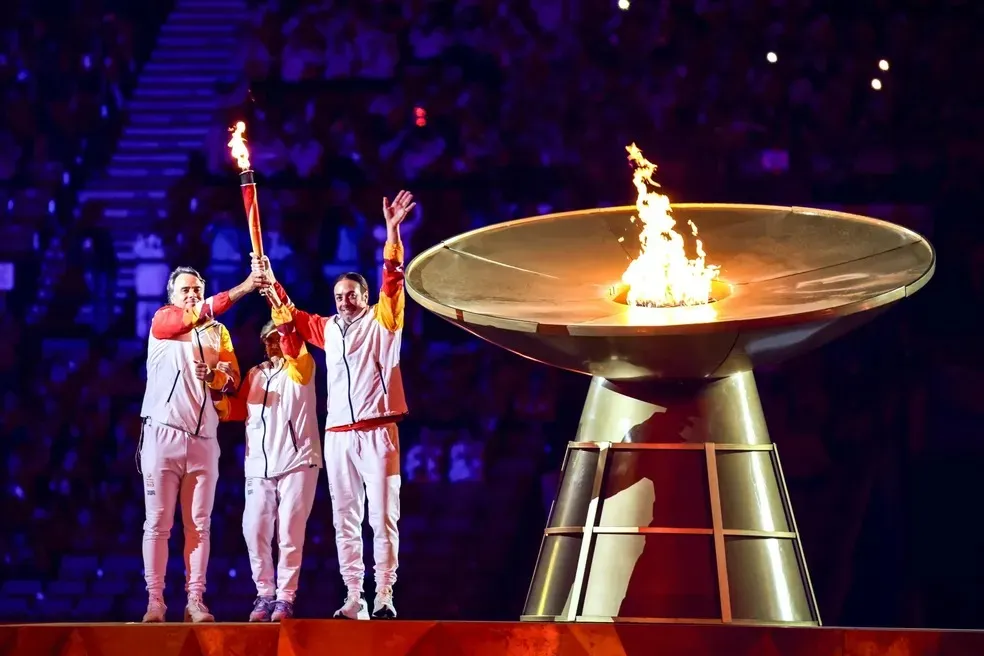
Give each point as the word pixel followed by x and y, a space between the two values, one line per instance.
pixel 363 360
pixel 280 412
pixel 174 397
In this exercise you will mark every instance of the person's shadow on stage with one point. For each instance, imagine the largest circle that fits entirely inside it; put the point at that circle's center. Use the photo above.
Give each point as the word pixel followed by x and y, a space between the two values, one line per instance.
pixel 656 574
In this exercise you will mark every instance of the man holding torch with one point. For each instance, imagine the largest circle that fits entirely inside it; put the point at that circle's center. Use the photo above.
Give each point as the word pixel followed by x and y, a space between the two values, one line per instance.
pixel 365 401
pixel 178 452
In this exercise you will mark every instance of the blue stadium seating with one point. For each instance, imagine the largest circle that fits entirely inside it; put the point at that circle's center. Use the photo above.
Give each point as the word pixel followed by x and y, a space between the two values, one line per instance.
pixel 71 588
pixel 93 608
pixel 16 588
pixel 112 587
pixel 55 608
pixel 78 568
pixel 14 609
pixel 122 566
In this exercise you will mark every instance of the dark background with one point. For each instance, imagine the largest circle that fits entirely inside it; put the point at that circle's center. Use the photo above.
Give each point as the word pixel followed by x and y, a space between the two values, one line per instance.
pixel 114 169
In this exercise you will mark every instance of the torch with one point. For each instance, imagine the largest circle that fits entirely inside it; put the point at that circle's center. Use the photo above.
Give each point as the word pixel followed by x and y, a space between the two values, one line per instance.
pixel 247 185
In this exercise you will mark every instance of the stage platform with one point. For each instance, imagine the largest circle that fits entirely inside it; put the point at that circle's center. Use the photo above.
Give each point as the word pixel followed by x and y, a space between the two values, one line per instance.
pixel 398 638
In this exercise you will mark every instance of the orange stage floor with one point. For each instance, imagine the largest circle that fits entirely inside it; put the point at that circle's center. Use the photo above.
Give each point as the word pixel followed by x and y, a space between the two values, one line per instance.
pixel 397 638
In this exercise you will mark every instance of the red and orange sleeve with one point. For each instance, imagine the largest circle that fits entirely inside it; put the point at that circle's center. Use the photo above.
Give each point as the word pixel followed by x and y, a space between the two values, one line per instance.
pixel 171 321
pixel 392 296
pixel 311 327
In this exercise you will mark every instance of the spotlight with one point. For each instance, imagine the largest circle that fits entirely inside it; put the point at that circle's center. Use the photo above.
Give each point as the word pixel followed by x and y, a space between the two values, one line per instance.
pixel 883 64
pixel 772 58
pixel 623 4
pixel 876 84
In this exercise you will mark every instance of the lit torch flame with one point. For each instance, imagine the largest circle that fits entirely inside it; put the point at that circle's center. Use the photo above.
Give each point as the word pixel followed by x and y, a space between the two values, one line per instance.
pixel 238 146
pixel 662 275
pixel 247 186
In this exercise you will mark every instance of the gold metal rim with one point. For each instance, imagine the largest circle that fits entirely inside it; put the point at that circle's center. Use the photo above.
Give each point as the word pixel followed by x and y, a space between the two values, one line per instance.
pixel 669 530
pixel 543 618
pixel 689 620
pixel 599 619
pixel 762 323
pixel 447 243
pixel 658 446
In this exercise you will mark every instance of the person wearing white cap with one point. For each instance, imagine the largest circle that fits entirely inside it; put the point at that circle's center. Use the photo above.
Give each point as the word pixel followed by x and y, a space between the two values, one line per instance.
pixel 283 457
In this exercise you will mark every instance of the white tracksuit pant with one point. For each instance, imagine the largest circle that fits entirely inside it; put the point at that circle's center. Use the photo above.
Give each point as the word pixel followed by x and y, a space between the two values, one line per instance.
pixel 360 464
pixel 281 505
pixel 174 463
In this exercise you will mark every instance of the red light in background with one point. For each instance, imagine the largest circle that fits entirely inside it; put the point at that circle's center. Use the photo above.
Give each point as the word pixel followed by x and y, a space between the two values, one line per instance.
pixel 421 116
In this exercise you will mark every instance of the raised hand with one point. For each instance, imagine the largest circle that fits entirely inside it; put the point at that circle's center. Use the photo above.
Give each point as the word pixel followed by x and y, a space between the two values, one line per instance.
pixel 398 210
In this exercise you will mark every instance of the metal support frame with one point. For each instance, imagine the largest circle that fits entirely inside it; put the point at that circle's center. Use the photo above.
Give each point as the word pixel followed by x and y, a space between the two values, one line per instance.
pixel 717 531
pixel 587 542
pixel 791 517
pixel 717 523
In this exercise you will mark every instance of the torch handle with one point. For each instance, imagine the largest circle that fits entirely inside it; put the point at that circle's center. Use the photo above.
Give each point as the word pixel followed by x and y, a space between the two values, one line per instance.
pixel 252 206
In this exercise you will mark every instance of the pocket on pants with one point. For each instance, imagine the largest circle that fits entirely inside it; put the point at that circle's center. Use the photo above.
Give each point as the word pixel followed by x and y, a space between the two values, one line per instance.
pixel 391 439
pixel 216 450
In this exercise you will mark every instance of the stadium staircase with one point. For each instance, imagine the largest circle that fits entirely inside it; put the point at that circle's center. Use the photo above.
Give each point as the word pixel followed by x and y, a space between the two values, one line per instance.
pixel 169 115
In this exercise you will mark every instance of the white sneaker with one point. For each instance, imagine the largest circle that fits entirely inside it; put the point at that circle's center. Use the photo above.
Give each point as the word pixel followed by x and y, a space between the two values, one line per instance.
pixel 156 610
pixel 355 608
pixel 196 610
pixel 383 608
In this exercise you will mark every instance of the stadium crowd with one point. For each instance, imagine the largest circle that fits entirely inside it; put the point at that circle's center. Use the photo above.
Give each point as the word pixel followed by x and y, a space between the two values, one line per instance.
pixel 491 110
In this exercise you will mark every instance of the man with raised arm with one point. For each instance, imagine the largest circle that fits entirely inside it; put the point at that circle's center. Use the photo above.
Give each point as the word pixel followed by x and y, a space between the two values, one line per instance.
pixel 283 454
pixel 365 400
pixel 178 452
